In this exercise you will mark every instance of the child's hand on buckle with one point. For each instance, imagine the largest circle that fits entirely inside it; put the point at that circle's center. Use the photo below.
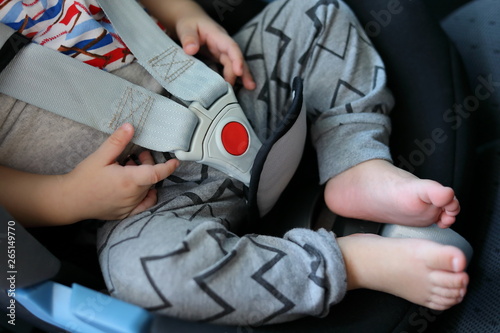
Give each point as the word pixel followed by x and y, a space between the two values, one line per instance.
pixel 109 191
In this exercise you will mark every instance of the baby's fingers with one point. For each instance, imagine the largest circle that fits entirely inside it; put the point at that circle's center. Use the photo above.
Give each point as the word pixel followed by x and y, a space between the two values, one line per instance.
pixel 147 175
pixel 149 201
pixel 228 69
pixel 188 36
pixel 146 158
pixel 114 145
pixel 235 66
pixel 247 78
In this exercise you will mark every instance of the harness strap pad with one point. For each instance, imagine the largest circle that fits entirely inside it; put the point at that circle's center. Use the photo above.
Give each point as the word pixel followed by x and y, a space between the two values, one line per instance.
pixel 279 157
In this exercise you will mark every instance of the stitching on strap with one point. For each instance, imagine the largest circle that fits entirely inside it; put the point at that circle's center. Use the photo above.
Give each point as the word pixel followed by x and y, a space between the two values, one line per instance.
pixel 134 107
pixel 170 64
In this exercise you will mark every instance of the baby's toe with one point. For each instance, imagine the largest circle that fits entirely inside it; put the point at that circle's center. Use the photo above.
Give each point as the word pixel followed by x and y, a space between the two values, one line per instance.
pixel 445 261
pixel 453 293
pixel 442 303
pixel 445 220
pixel 453 208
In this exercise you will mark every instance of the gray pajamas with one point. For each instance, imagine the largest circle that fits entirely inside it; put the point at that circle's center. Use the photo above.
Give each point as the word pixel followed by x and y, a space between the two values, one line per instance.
pixel 183 257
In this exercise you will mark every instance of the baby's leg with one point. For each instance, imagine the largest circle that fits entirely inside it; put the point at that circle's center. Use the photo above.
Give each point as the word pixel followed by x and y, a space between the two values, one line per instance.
pixel 378 191
pixel 347 105
pixel 421 271
pixel 181 258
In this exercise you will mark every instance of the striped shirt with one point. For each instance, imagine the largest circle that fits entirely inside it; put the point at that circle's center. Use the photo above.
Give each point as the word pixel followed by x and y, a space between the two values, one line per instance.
pixel 77 28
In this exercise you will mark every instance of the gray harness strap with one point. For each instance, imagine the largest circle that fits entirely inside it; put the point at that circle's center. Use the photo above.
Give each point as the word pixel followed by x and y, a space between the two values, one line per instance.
pixel 183 76
pixel 72 89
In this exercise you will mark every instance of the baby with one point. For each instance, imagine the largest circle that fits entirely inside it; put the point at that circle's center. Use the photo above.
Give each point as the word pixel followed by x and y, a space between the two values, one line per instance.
pixel 174 249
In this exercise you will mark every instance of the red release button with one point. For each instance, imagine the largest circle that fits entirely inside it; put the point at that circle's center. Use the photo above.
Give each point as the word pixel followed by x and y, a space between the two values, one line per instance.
pixel 235 138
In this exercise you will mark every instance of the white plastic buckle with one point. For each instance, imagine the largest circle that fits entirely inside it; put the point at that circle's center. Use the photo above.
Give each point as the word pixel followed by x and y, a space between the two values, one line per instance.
pixel 208 146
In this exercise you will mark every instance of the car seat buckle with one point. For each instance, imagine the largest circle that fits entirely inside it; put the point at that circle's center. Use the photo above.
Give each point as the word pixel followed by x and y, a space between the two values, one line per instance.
pixel 223 138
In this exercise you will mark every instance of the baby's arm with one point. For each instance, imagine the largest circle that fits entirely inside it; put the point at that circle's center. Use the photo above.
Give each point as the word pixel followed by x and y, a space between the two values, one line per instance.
pixel 194 29
pixel 98 188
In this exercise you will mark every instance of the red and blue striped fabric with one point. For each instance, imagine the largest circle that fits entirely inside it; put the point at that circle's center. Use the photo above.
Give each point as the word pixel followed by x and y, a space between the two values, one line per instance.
pixel 77 28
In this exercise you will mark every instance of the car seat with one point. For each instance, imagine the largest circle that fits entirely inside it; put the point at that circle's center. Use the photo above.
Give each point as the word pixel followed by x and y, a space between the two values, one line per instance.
pixel 473 28
pixel 424 90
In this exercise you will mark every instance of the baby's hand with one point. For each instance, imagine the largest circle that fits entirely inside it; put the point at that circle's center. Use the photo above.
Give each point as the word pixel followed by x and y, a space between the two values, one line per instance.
pixel 108 191
pixel 197 31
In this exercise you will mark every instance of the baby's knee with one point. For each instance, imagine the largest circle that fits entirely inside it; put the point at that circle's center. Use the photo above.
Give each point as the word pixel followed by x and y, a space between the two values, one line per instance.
pixel 136 280
pixel 324 13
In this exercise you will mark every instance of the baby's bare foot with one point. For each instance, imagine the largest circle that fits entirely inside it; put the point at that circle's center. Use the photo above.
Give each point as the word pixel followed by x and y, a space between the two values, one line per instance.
pixel 378 191
pixel 420 271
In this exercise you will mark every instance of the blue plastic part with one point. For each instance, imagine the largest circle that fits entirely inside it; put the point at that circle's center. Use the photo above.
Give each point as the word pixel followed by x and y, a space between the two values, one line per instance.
pixel 82 310
pixel 107 313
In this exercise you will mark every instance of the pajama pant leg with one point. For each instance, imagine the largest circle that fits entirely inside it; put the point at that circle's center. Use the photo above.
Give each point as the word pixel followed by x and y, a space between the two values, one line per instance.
pixel 344 79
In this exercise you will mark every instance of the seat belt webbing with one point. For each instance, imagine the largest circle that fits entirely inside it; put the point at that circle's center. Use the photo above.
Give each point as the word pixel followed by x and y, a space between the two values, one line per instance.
pixel 74 90
pixel 183 76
